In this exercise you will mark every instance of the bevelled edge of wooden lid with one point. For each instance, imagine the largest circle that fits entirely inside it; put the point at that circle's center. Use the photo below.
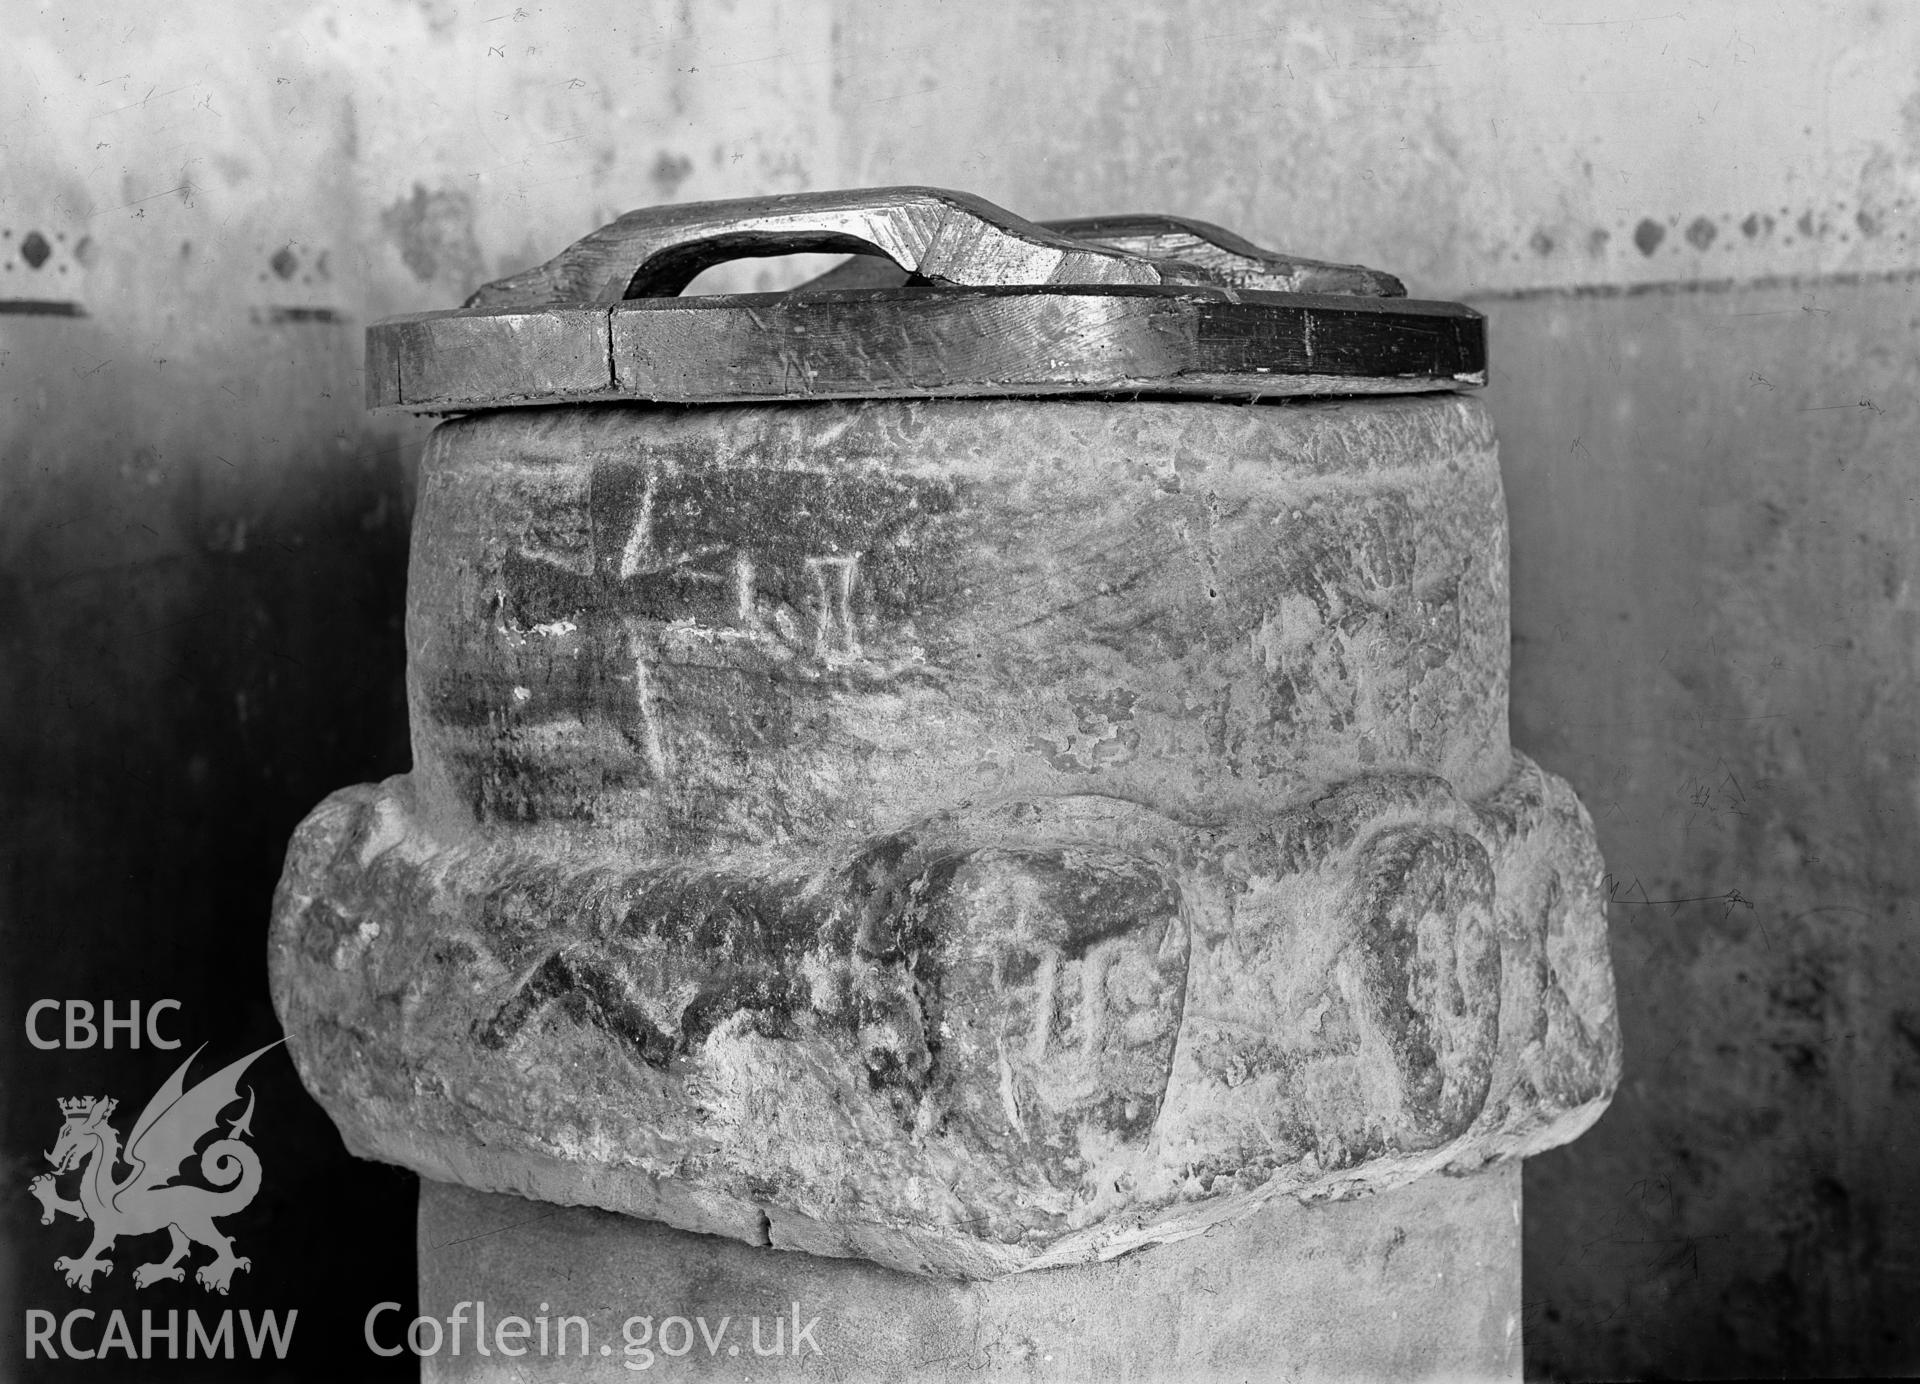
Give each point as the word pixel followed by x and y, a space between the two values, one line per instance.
pixel 1112 340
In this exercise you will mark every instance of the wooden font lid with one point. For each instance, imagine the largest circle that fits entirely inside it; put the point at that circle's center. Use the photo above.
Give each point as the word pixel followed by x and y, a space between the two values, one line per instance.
pixel 948 295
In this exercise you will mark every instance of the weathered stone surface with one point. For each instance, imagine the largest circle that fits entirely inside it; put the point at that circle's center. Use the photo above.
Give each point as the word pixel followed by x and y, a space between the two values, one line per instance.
pixel 696 630
pixel 1420 1283
pixel 970 836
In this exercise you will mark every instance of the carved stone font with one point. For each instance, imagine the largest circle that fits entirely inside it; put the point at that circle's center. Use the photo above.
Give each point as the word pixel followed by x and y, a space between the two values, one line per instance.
pixel 974 835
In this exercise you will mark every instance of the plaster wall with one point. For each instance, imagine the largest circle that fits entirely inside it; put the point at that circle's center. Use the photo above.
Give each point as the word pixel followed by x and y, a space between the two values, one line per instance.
pixel 1693 226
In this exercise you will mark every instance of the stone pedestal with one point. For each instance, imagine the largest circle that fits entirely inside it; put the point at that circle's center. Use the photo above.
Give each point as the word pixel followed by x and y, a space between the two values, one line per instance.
pixel 1422 1282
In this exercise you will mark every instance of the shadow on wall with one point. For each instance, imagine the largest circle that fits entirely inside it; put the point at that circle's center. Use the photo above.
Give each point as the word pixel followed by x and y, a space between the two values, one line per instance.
pixel 200 604
pixel 1714 634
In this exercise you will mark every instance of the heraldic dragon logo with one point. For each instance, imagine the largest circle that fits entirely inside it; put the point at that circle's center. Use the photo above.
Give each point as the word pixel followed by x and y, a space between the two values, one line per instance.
pixel 147 1198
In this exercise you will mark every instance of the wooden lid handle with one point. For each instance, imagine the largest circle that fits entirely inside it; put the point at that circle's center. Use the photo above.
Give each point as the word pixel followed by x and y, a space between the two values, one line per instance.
pixel 940 236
